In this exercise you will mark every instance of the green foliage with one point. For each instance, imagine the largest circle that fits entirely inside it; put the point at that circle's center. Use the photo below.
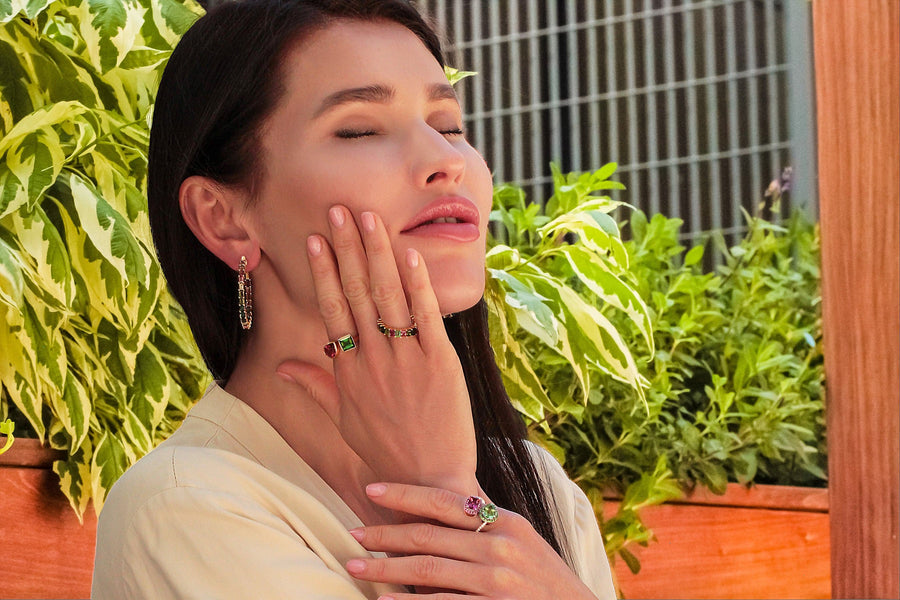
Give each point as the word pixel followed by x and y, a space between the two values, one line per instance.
pixel 727 380
pixel 6 428
pixel 95 355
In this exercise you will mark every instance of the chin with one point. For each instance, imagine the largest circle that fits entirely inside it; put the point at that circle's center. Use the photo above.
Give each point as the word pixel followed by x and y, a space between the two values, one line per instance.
pixel 458 294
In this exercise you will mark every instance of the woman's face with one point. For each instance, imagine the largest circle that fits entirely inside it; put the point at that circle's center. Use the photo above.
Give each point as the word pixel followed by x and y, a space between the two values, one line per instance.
pixel 369 121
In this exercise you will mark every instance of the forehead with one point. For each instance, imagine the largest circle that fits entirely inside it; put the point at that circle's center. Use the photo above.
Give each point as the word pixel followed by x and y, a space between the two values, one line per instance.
pixel 348 54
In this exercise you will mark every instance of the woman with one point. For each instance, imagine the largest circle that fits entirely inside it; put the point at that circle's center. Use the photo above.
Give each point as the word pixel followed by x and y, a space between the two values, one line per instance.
pixel 310 185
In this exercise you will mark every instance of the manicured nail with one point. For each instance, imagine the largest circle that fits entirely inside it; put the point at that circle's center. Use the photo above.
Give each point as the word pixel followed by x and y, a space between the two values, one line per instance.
pixel 368 221
pixel 337 216
pixel 314 244
pixel 358 534
pixel 412 258
pixel 356 566
pixel 375 489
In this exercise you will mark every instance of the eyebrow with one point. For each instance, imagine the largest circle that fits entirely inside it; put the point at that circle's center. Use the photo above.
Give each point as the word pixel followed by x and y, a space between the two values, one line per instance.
pixel 380 94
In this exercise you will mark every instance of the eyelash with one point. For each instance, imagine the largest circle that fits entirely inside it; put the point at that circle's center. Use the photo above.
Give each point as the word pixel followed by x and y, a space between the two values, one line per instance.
pixel 350 134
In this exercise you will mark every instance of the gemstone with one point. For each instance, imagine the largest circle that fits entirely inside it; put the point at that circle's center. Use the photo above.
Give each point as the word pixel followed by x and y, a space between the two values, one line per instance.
pixel 472 505
pixel 347 343
pixel 330 349
pixel 488 513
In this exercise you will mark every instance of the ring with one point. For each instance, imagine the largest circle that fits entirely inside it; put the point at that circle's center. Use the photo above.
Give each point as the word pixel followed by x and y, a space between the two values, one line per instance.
pixel 401 332
pixel 342 344
pixel 488 514
pixel 472 505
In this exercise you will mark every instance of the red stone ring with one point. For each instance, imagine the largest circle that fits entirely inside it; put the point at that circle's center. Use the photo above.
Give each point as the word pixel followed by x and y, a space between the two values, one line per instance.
pixel 342 344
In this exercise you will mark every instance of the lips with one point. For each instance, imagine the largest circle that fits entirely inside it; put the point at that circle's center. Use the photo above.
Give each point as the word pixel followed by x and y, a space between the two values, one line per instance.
pixel 454 218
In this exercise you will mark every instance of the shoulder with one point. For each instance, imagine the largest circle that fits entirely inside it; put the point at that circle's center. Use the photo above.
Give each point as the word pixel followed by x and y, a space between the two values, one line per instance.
pixel 174 522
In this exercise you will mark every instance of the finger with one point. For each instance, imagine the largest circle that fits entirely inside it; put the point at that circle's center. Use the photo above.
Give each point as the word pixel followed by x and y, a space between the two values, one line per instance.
pixel 431 571
pixel 432 503
pixel 317 382
pixel 385 284
pixel 432 335
pixel 353 270
pixel 435 596
pixel 333 305
pixel 423 538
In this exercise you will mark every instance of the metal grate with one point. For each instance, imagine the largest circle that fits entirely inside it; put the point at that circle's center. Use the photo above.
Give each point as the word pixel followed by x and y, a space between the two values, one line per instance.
pixel 690 97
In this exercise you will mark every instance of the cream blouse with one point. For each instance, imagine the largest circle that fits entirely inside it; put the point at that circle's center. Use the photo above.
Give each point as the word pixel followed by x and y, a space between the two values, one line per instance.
pixel 226 509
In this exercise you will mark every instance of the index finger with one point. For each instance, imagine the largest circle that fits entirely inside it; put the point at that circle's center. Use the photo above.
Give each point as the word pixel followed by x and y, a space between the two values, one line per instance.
pixel 437 504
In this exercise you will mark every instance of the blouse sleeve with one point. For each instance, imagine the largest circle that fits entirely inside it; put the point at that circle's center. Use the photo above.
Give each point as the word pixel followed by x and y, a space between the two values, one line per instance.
pixel 233 551
pixel 579 525
pixel 226 541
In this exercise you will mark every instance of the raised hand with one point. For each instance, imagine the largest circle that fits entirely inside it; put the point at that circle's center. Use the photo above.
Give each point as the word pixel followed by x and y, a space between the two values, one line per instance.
pixel 401 404
pixel 507 559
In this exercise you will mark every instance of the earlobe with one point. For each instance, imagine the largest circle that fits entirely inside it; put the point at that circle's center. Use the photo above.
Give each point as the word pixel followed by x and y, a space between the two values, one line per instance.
pixel 212 212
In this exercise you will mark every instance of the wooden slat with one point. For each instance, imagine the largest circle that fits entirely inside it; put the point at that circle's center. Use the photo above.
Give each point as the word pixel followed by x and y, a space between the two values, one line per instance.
pixel 857 44
pixel 44 551
pixel 707 551
pixel 26 452
pixel 784 497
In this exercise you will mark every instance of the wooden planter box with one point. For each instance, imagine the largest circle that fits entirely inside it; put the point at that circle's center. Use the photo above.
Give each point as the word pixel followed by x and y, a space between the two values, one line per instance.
pixel 764 542
pixel 44 551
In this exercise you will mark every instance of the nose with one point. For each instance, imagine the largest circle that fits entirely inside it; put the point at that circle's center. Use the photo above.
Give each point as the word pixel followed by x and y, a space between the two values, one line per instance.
pixel 435 159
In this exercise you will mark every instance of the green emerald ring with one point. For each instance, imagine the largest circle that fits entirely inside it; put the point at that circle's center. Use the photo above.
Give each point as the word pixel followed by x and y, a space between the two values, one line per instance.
pixel 342 344
pixel 488 514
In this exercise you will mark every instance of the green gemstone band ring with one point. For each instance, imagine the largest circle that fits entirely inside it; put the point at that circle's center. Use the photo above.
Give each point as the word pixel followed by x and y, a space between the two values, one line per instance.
pixel 401 332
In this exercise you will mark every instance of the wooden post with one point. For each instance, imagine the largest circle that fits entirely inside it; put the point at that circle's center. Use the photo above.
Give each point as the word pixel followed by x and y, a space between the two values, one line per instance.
pixel 857 64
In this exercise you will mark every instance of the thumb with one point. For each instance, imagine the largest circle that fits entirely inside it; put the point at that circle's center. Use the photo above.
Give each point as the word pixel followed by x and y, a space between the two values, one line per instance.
pixel 315 381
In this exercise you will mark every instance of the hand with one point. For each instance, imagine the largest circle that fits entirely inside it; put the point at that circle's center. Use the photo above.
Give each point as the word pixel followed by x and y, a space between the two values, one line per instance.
pixel 507 559
pixel 401 404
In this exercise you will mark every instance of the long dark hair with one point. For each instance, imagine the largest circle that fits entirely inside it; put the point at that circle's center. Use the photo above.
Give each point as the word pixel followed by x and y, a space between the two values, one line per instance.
pixel 221 83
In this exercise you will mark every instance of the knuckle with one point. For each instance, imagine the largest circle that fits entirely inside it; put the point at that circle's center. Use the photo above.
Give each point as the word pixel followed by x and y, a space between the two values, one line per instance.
pixel 426 568
pixel 501 549
pixel 443 501
pixel 385 293
pixel 502 579
pixel 333 307
pixel 422 536
pixel 344 243
pixel 356 288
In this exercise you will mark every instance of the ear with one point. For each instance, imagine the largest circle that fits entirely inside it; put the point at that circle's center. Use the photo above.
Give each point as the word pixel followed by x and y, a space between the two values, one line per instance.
pixel 216 216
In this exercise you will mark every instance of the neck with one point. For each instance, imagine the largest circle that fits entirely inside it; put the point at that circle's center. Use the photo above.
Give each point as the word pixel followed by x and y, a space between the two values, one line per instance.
pixel 282 330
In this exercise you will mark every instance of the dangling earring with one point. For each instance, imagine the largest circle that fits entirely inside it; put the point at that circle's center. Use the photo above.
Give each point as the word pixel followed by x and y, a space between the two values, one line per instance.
pixel 245 295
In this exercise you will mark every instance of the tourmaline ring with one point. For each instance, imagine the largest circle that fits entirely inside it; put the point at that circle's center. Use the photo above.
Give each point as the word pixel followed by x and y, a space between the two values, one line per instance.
pixel 342 344
pixel 472 505
pixel 401 332
pixel 488 513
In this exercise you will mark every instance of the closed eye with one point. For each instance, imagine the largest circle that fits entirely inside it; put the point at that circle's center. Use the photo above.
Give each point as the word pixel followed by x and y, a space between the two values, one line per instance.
pixel 352 134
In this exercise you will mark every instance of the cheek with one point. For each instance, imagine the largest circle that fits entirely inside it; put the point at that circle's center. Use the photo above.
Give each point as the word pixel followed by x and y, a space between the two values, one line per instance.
pixel 481 181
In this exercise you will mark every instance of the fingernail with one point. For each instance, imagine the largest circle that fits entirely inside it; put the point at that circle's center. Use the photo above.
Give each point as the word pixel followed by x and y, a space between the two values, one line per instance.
pixel 358 534
pixel 314 244
pixel 356 566
pixel 385 598
pixel 368 221
pixel 336 215
pixel 412 258
pixel 375 489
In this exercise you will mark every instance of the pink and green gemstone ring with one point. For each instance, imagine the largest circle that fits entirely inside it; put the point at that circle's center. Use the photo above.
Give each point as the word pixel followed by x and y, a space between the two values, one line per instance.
pixel 472 505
